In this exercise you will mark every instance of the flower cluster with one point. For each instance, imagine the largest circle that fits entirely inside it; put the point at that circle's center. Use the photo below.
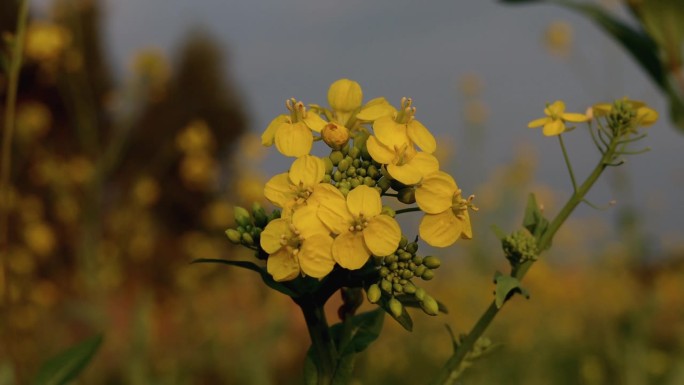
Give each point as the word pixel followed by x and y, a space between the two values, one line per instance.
pixel 333 213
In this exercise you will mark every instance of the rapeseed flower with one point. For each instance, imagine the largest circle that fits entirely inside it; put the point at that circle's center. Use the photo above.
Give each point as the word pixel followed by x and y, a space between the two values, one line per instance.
pixel 446 212
pixel 360 226
pixel 292 134
pixel 293 188
pixel 644 115
pixel 554 122
pixel 296 245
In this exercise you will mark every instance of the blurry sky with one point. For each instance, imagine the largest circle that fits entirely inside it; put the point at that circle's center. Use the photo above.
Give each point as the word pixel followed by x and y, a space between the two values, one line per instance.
pixel 280 49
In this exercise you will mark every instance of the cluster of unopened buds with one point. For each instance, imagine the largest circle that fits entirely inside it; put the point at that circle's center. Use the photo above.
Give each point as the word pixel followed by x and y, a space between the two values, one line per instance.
pixel 332 211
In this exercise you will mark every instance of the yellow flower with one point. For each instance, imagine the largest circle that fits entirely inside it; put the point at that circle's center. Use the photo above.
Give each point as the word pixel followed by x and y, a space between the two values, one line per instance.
pixel 446 212
pixel 645 116
pixel 292 189
pixel 298 244
pixel 554 122
pixel 362 229
pixel 46 41
pixel 292 133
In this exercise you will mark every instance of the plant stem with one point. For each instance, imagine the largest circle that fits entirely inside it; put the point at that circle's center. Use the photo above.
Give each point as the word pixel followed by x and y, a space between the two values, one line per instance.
pixel 408 210
pixel 321 340
pixel 447 374
pixel 567 163
pixel 5 173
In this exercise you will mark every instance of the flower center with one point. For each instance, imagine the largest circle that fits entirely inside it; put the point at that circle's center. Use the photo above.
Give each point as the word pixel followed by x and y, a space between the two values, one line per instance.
pixel 359 223
pixel 292 241
pixel 459 205
pixel 301 192
pixel 403 154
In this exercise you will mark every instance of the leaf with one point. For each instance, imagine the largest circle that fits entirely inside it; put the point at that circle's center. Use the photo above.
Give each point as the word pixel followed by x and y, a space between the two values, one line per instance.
pixel 498 232
pixel 534 220
pixel 506 286
pixel 310 369
pixel 363 329
pixel 265 276
pixel 67 365
pixel 345 370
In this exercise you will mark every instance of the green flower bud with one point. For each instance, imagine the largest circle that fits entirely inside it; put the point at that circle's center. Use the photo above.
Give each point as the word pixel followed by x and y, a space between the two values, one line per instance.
pixel 356 163
pixel 388 211
pixel 260 217
pixel 383 183
pixel 275 214
pixel 409 288
pixel 234 236
pixel 326 178
pixel 372 171
pixel 407 195
pixel 355 183
pixel 393 266
pixel 335 157
pixel 412 248
pixel 432 262
pixel 354 152
pixel 337 176
pixel 407 274
pixel 247 239
pixel 429 305
pixel 351 171
pixel 368 181
pixel 395 307
pixel 386 286
pixel 418 260
pixel 420 294
pixel 403 255
pixel 398 288
pixel 403 242
pixel 383 271
pixel 373 293
pixel 242 216
pixel 344 190
pixel 343 165
pixel 328 165
pixel 345 149
pixel 428 275
pixel 420 270
pixel 391 258
pixel 360 171
pixel 241 229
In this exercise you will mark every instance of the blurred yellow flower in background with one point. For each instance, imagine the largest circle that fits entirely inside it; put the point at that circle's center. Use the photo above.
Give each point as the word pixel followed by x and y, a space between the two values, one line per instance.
pixel 558 38
pixel 45 40
pixel 33 121
pixel 554 122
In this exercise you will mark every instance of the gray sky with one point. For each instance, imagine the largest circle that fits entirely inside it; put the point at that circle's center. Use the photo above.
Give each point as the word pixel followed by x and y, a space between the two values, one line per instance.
pixel 280 49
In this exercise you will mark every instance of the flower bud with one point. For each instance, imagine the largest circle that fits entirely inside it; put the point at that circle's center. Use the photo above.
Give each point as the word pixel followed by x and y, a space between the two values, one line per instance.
pixel 275 214
pixel 418 260
pixel 354 152
pixel 384 184
pixel 429 305
pixel 373 293
pixel 403 242
pixel 420 293
pixel 234 236
pixel 412 247
pixel 395 307
pixel 335 135
pixel 336 157
pixel 328 165
pixel 388 211
pixel 345 95
pixel 420 270
pixel 386 286
pixel 428 275
pixel 260 217
pixel 407 195
pixel 368 181
pixel 343 165
pixel 432 262
pixel 242 217
pixel 409 288
pixel 247 239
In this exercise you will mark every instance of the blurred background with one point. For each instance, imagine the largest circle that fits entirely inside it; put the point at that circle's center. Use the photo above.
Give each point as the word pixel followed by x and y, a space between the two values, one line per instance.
pixel 138 129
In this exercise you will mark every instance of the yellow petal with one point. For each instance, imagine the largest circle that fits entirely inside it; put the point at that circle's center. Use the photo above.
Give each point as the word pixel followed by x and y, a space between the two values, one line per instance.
pixel 390 133
pixel 293 139
pixel 321 192
pixel 440 230
pixel 364 200
pixel 278 190
pixel 435 193
pixel 269 135
pixel 376 109
pixel 315 256
pixel 314 121
pixel 574 117
pixel 555 109
pixel 602 109
pixel 334 214
pixel 554 127
pixel 345 95
pixel 307 171
pixel 349 250
pixel 414 170
pixel 272 235
pixel 305 220
pixel 538 122
pixel 378 151
pixel 282 266
pixel 382 235
pixel 420 135
pixel 646 116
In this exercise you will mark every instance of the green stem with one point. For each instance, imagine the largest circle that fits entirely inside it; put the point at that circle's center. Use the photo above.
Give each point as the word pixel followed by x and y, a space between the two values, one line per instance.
pixel 321 340
pixel 5 173
pixel 408 210
pixel 447 375
pixel 567 163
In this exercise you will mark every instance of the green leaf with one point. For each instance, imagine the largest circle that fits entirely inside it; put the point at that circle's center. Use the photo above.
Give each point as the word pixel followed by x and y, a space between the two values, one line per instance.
pixel 265 276
pixel 361 331
pixel 67 365
pixel 506 286
pixel 310 369
pixel 534 220
pixel 345 370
